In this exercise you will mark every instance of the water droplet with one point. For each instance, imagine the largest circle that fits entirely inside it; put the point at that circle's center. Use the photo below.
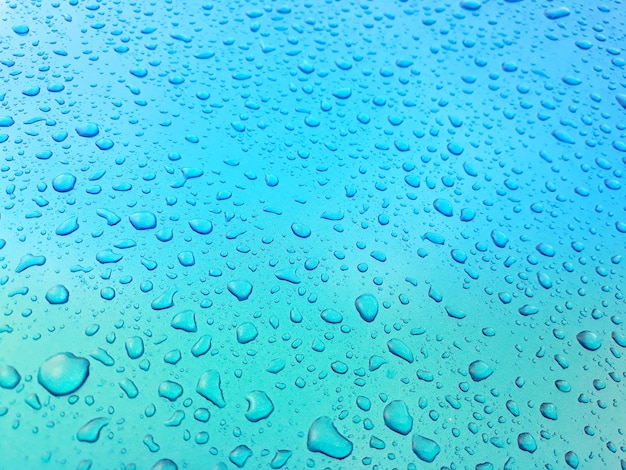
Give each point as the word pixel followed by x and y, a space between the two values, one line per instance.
pixel 21 29
pixel 202 346
pixel 527 310
pixel 28 261
pixel 170 390
pixel 134 347
pixel 209 387
pixel 589 340
pixel 64 182
pixel 400 349
pixel 246 332
pixel 63 373
pixel 9 377
pixel 67 227
pixel 90 432
pixel 470 5
pixel 201 226
pixel 88 129
pixel 185 321
pixel 397 418
pixel 239 455
pixel 426 449
pixel 479 370
pixel 526 442
pixel 572 459
pixel 367 306
pixel 342 93
pixel 259 406
pixel 165 464
pixel 443 206
pixel 280 459
pixel 331 316
pixel 301 230
pixel 6 121
pixel 546 249
pixel 499 239
pixel 240 289
pixel 548 410
pixel 324 437
pixel 143 220
pixel 105 144
pixel 58 295
pixel 557 13
pixel 129 388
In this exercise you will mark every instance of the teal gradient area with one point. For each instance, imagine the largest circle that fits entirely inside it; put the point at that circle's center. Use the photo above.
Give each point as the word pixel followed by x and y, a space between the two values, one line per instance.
pixel 320 234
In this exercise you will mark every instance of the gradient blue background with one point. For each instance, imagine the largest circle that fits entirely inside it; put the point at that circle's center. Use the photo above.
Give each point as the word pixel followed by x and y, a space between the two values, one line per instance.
pixel 462 163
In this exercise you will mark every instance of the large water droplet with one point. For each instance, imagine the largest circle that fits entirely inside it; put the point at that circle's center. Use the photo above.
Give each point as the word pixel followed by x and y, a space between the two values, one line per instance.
pixel 426 449
pixel 324 437
pixel 367 306
pixel 63 373
pixel 589 340
pixel 9 376
pixel 58 295
pixel 479 370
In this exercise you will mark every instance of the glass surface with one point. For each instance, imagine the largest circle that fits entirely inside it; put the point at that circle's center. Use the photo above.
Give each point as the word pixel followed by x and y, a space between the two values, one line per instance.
pixel 312 234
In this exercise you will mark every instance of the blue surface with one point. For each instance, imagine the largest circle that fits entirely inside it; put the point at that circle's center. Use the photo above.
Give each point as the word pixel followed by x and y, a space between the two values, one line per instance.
pixel 319 234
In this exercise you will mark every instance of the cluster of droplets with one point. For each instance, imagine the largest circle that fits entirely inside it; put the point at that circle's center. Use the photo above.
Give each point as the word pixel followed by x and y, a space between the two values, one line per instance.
pixel 298 236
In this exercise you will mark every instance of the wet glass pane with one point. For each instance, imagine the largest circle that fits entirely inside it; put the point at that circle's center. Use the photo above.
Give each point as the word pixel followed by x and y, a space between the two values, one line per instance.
pixel 317 234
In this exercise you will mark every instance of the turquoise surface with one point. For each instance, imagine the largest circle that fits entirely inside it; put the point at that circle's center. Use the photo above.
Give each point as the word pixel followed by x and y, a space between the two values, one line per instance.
pixel 314 234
